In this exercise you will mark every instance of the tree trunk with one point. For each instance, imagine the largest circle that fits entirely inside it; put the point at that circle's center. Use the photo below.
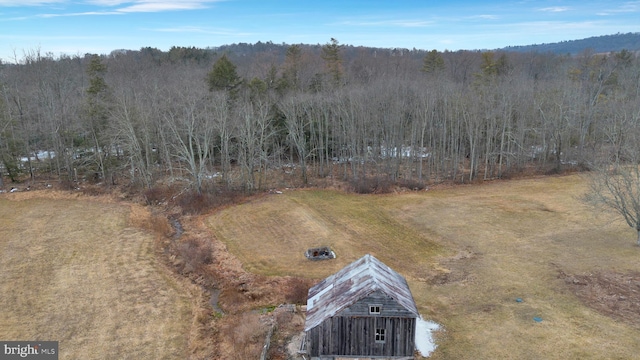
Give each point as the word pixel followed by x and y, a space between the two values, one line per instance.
pixel 638 230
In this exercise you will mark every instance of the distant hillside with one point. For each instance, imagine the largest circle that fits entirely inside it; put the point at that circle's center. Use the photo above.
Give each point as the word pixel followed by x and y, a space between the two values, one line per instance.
pixel 243 52
pixel 599 44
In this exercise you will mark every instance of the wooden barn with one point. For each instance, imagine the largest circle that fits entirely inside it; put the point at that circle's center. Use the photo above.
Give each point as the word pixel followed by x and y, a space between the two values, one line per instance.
pixel 365 310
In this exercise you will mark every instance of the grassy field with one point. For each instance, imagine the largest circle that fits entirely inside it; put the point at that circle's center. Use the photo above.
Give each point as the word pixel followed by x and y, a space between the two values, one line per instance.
pixel 468 253
pixel 78 272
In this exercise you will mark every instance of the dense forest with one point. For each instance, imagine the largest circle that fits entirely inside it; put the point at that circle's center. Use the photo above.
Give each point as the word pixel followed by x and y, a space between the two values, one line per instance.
pixel 258 116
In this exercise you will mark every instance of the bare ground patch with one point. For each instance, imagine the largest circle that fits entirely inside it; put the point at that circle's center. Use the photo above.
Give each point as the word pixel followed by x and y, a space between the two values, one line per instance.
pixel 616 295
pixel 458 268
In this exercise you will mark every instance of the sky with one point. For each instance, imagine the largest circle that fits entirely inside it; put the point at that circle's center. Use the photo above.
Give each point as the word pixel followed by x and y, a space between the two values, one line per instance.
pixel 100 26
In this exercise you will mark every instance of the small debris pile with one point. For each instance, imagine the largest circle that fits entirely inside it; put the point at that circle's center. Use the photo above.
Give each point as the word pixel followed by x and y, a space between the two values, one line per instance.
pixel 321 253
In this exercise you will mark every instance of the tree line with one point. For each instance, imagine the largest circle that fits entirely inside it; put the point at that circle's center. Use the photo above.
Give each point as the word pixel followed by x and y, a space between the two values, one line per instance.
pixel 287 115
pixel 605 43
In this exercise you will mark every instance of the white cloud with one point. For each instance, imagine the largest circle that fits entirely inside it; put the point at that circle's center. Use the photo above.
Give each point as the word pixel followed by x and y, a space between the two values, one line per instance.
pixel 107 2
pixel 627 7
pixel 157 6
pixel 486 17
pixel 125 6
pixel 393 23
pixel 555 9
pixel 632 5
pixel 153 4
pixel 113 7
pixel 200 30
pixel 87 13
pixel 182 29
pixel 130 6
pixel 28 2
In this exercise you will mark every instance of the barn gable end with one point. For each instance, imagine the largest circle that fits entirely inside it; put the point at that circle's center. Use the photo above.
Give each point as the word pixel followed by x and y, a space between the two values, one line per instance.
pixel 389 307
pixel 364 310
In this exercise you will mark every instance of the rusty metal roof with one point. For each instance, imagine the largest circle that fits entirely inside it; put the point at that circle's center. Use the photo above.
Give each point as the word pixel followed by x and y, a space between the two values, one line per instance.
pixel 353 282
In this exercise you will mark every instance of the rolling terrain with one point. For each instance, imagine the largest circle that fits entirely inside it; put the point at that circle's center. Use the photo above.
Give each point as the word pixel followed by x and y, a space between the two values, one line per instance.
pixel 483 261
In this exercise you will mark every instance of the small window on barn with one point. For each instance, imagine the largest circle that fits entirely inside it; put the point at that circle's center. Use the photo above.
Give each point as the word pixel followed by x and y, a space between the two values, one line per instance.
pixel 380 335
pixel 374 309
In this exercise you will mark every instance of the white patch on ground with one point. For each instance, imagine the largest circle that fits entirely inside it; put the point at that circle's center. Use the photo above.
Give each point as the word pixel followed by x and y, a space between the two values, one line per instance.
pixel 424 337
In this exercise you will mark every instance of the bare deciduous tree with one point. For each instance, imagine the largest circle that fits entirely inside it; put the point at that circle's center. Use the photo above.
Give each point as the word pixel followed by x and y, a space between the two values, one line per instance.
pixel 484 116
pixel 254 135
pixel 191 129
pixel 618 189
pixel 133 136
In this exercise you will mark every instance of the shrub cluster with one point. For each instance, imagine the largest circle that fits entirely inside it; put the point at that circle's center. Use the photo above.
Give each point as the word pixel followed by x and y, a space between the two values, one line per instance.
pixel 157 195
pixel 193 203
pixel 297 291
pixel 195 253
pixel 371 185
pixel 411 184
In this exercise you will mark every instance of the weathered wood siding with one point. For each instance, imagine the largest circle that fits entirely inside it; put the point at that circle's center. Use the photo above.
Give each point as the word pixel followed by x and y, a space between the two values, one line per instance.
pixel 355 336
pixel 389 307
pixel 352 332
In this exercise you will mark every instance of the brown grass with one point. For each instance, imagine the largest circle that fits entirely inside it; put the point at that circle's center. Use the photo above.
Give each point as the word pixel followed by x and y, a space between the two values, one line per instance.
pixel 468 253
pixel 78 272
pixel 82 270
pixel 246 334
pixel 270 235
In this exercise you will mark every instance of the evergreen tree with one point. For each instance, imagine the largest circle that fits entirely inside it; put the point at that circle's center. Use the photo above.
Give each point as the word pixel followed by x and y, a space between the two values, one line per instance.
pixel 623 58
pixel 433 62
pixel 97 110
pixel 223 76
pixel 492 67
pixel 291 73
pixel 333 61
